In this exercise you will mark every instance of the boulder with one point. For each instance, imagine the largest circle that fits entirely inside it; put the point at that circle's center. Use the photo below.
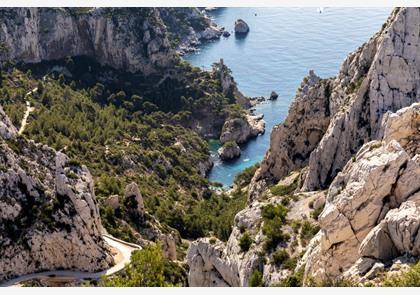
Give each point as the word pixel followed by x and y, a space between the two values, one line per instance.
pixel 226 34
pixel 241 27
pixel 133 200
pixel 273 95
pixel 241 129
pixel 230 150
pixel 113 202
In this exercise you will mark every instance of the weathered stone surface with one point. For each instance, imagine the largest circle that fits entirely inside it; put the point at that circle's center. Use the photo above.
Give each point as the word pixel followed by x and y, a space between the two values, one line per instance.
pixel 230 150
pixel 134 200
pixel 48 213
pixel 387 70
pixel 292 142
pixel 133 39
pixel 241 27
pixel 7 129
pixel 241 129
pixel 372 207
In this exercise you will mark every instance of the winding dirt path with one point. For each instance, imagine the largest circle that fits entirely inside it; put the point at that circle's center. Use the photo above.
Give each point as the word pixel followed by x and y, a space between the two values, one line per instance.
pixel 29 109
pixel 123 257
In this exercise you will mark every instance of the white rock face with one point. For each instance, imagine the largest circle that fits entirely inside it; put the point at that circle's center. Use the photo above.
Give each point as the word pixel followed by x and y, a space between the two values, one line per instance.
pixel 240 130
pixel 216 264
pixel 372 207
pixel 48 214
pixel 292 142
pixel 7 129
pixel 122 41
pixel 382 75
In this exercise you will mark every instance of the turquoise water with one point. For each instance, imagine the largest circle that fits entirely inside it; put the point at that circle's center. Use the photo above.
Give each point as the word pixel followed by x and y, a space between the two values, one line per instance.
pixel 282 46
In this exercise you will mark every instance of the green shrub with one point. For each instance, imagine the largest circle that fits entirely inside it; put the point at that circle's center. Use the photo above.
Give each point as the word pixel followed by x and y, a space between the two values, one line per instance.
pixel 245 242
pixel 295 279
pixel 411 278
pixel 146 269
pixel 256 279
pixel 315 214
pixel 280 256
pixel 271 211
pixel 308 230
pixel 244 177
pixel 281 190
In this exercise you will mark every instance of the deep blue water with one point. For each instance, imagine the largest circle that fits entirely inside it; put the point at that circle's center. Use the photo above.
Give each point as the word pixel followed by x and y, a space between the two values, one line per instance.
pixel 282 46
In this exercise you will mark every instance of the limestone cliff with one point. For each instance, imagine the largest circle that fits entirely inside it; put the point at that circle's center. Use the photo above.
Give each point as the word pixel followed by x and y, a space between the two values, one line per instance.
pixel 382 75
pixel 131 39
pixel 371 211
pixel 48 213
pixel 358 135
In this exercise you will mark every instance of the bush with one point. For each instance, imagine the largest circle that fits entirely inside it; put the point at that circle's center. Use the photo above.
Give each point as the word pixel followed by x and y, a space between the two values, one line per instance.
pixel 411 278
pixel 308 230
pixel 146 269
pixel 280 256
pixel 315 214
pixel 294 279
pixel 271 211
pixel 244 178
pixel 274 217
pixel 281 190
pixel 256 279
pixel 245 242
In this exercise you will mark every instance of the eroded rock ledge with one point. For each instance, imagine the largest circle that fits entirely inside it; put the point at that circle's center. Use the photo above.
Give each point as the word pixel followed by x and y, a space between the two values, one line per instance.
pixel 371 212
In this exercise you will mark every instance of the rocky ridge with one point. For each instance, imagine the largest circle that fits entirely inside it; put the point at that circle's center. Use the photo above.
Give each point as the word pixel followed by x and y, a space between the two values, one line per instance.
pixel 382 75
pixel 129 39
pixel 48 212
pixel 368 218
pixel 370 215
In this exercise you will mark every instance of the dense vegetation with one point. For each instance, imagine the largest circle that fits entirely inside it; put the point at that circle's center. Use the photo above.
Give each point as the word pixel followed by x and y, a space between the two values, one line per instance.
pixel 127 128
pixel 148 268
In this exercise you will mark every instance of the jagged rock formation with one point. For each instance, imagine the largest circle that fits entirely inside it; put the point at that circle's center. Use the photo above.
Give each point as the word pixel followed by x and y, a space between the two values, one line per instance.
pixel 48 213
pixel 215 264
pixel 371 211
pixel 241 129
pixel 229 151
pixel 189 27
pixel 134 201
pixel 382 75
pixel 292 142
pixel 132 39
pixel 358 133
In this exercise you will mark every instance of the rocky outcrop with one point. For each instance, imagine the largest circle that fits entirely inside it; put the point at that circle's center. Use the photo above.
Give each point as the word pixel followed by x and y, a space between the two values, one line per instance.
pixel 382 75
pixel 229 151
pixel 292 142
pixel 241 27
pixel 48 214
pixel 189 27
pixel 7 129
pixel 213 263
pixel 133 39
pixel 273 95
pixel 371 211
pixel 133 201
pixel 241 129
